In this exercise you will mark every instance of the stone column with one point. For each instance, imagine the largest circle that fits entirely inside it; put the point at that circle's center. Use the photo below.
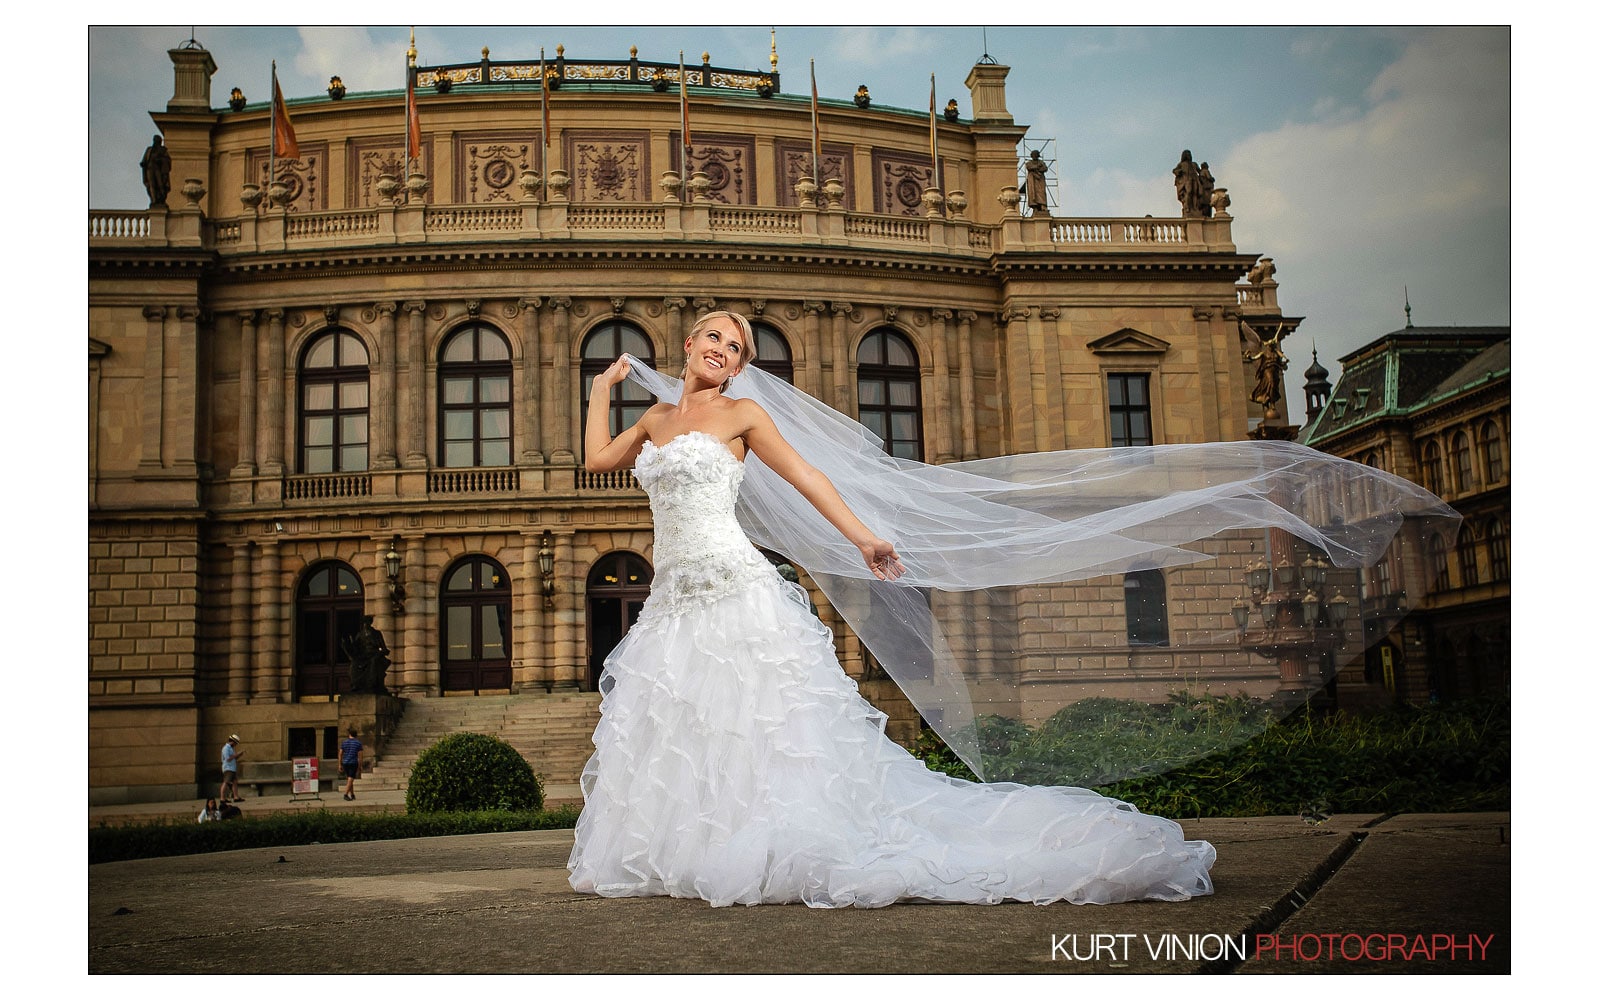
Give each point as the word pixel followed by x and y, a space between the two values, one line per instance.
pixel 563 429
pixel 527 672
pixel 843 398
pixel 944 448
pixel 1019 377
pixel 813 381
pixel 268 630
pixel 568 615
pixel 151 418
pixel 248 392
pixel 381 607
pixel 413 650
pixel 532 382
pixel 183 391
pixel 1049 391
pixel 969 387
pixel 672 364
pixel 385 416
pixel 271 433
pixel 242 613
pixel 413 389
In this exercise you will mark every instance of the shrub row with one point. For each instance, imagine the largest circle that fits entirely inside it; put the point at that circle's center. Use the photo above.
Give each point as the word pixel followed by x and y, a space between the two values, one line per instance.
pixel 1439 758
pixel 124 843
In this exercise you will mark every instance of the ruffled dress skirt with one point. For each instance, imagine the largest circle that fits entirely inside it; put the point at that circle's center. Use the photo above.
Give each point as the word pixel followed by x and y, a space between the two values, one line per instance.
pixel 736 762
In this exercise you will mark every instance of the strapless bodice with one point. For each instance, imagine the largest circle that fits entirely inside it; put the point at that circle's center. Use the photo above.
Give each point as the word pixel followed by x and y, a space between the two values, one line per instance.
pixel 701 553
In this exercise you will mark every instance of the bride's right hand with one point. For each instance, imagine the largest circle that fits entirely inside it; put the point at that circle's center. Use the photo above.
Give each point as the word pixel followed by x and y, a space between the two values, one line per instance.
pixel 611 376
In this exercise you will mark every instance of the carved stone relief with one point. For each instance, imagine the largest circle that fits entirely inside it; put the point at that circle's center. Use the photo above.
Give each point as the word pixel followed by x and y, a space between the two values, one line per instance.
pixel 898 180
pixel 728 160
pixel 370 160
pixel 794 162
pixel 302 177
pixel 488 165
pixel 609 165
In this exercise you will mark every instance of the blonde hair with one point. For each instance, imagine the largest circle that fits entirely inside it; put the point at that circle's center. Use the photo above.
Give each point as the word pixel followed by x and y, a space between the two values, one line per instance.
pixel 747 355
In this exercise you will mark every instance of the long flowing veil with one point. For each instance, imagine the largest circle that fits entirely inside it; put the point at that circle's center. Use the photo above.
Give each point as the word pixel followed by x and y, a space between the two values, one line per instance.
pixel 1011 611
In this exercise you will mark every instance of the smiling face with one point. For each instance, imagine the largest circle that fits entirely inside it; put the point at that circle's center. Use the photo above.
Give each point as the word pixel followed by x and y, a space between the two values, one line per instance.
pixel 719 346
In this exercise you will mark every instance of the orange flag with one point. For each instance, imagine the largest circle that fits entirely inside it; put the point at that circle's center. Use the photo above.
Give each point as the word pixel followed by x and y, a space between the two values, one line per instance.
pixel 816 130
pixel 283 140
pixel 413 119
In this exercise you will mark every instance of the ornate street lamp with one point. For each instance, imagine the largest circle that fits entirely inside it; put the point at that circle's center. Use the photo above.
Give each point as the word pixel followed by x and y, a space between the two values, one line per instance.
pixel 547 570
pixel 397 587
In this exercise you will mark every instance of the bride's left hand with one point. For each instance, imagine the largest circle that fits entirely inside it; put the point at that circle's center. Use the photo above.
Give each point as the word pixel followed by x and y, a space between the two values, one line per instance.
pixel 882 559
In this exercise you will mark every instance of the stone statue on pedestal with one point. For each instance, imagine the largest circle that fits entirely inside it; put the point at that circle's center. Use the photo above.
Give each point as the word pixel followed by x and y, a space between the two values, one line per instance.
pixel 1038 196
pixel 156 167
pixel 369 659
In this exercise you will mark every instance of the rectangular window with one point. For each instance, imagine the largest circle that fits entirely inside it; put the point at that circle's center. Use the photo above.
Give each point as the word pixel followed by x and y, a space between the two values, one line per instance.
pixel 1129 396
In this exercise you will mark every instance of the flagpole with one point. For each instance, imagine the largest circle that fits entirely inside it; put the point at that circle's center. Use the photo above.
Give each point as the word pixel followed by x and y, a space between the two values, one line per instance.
pixel 683 119
pixel 933 130
pixel 816 132
pixel 272 127
pixel 544 130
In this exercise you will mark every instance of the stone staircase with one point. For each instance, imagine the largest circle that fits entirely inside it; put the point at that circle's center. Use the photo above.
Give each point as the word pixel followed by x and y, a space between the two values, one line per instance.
pixel 552 731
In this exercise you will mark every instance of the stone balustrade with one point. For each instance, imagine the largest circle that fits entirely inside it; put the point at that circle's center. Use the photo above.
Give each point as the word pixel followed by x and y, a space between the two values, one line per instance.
pixel 409 223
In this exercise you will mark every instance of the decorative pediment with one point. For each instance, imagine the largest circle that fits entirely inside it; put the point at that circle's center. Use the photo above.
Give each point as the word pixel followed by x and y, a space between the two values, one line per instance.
pixel 1128 341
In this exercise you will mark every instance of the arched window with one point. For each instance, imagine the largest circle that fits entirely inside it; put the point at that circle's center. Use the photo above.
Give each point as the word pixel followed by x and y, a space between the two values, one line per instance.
pixel 333 404
pixel 475 399
pixel 600 348
pixel 1467 547
pixel 772 352
pixel 617 588
pixel 1373 460
pixel 1432 468
pixel 1378 583
pixel 1144 595
pixel 1439 559
pixel 475 607
pixel 1461 458
pixel 1499 550
pixel 1494 463
pixel 889 392
pixel 328 609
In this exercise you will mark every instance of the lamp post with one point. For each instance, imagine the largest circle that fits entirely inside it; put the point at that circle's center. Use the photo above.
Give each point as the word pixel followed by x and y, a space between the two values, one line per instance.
pixel 397 587
pixel 547 570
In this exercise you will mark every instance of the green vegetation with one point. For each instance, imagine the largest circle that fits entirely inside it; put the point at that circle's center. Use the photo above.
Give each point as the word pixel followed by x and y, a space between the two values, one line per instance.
pixel 1440 758
pixel 323 826
pixel 468 772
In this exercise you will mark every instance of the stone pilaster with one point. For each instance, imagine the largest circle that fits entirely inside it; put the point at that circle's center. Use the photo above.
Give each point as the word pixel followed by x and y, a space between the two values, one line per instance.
pixel 676 333
pixel 944 418
pixel 843 398
pixel 568 615
pixel 531 389
pixel 562 425
pixel 384 415
pixel 271 430
pixel 413 388
pixel 242 615
pixel 968 384
pixel 152 418
pixel 249 391
pixel 265 681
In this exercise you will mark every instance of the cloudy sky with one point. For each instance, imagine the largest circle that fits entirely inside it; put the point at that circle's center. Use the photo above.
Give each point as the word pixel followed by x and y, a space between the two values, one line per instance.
pixel 1365 161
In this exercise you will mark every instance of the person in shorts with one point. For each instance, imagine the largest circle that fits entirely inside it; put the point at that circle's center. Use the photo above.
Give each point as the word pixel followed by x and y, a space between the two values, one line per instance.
pixel 350 763
pixel 230 769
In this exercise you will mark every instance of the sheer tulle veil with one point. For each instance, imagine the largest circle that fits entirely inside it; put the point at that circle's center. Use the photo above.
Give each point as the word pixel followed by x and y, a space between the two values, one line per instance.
pixel 1016 560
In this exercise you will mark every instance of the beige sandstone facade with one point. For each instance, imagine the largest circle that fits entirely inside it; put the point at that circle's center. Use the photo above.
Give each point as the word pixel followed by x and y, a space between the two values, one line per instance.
pixel 209 523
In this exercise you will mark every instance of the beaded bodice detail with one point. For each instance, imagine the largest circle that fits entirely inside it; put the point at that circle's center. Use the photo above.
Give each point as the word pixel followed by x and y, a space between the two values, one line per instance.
pixel 701 552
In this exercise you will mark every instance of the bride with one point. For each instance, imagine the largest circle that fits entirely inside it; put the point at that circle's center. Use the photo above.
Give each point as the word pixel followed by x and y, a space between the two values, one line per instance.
pixel 736 762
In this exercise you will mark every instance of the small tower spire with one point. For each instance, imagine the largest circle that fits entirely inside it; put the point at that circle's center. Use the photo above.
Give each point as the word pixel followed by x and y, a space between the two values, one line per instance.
pixel 1408 307
pixel 411 53
pixel 774 58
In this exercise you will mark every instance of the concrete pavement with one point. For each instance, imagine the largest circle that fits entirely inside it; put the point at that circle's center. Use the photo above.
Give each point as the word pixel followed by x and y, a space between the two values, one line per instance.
pixel 1406 893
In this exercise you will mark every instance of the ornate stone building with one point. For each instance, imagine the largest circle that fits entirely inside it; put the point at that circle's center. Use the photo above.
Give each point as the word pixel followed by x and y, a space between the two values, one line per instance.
pixel 333 386
pixel 1432 404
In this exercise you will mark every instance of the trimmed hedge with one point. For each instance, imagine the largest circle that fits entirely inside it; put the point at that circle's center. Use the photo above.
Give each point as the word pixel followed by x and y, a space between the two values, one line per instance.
pixel 160 840
pixel 467 772
pixel 1453 757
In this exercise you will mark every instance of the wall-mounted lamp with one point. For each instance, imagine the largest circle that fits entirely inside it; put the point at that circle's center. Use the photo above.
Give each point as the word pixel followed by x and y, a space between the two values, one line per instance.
pixel 397 587
pixel 547 570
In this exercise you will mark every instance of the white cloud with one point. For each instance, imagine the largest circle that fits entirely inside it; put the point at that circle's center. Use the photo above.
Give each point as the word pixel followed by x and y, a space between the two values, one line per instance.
pixel 871 46
pixel 353 55
pixel 1413 191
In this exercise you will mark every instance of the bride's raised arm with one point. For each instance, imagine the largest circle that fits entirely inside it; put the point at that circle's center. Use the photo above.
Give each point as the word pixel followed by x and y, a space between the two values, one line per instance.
pixel 601 451
pixel 762 437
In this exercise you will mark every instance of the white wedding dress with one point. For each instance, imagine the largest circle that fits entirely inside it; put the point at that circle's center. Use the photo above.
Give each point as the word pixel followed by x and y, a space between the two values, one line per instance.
pixel 736 762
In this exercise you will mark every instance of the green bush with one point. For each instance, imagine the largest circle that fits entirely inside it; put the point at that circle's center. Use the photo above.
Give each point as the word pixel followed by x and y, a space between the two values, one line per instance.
pixel 466 772
pixel 294 829
pixel 1453 757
